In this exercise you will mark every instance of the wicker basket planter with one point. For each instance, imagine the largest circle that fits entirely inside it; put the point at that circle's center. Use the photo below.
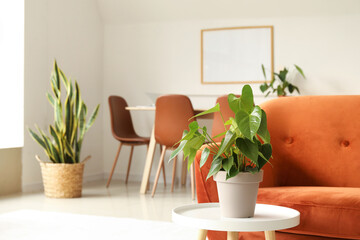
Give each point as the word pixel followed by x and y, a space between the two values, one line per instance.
pixel 62 180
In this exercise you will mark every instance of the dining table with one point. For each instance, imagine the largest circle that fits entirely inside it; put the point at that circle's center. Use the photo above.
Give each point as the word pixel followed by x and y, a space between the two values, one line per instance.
pixel 152 144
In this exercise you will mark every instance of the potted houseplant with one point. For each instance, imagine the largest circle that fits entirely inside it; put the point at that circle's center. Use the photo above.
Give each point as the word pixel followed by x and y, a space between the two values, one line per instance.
pixel 237 161
pixel 284 84
pixel 62 176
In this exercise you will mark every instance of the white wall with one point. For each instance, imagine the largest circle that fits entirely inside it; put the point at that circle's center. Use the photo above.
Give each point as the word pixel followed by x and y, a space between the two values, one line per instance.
pixel 162 55
pixel 71 32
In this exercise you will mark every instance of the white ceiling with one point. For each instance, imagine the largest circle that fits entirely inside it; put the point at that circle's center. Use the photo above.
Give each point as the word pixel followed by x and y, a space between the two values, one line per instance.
pixel 141 11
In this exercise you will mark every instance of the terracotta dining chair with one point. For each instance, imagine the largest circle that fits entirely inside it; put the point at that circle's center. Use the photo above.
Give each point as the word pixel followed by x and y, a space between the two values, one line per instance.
pixel 123 131
pixel 171 119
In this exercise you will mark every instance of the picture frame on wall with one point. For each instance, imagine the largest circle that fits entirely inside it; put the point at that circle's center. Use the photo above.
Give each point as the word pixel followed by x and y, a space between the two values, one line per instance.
pixel 236 54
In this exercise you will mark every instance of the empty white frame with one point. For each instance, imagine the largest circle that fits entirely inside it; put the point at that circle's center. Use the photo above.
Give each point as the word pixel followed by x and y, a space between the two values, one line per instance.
pixel 235 55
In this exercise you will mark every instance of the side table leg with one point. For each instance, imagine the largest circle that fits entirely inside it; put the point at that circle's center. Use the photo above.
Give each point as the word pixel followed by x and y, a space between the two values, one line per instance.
pixel 202 234
pixel 232 236
pixel 269 235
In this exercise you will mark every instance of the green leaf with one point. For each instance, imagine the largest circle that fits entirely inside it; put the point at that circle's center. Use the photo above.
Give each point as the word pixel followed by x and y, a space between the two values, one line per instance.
pixel 215 167
pixel 266 152
pixel 69 118
pixel 263 70
pixel 58 140
pixel 247 99
pixel 92 118
pixel 58 114
pixel 37 138
pixel 227 163
pixel 50 98
pixel 55 79
pixel 251 169
pixel 194 126
pixel 248 148
pixel 70 151
pixel 204 156
pixel 227 142
pixel 280 91
pixel 191 157
pixel 249 124
pixel 282 75
pixel 196 142
pixel 193 144
pixel 300 70
pixel 82 123
pixel 64 80
pixel 297 89
pixel 234 102
pixel 263 132
pixel 291 87
pixel 264 87
pixel 78 101
pixel 49 148
pixel 229 121
pixel 178 149
pixel 219 135
pixel 216 108
pixel 232 173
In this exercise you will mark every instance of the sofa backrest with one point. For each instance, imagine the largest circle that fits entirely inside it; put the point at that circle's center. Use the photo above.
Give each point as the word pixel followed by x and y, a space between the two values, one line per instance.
pixel 315 139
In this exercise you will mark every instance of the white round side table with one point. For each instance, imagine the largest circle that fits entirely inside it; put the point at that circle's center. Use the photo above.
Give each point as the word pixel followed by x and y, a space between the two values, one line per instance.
pixel 206 216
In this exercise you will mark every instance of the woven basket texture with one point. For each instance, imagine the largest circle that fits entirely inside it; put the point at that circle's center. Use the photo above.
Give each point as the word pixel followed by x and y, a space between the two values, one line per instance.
pixel 62 180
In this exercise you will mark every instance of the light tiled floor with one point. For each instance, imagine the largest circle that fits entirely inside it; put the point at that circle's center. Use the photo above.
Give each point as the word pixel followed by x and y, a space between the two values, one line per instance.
pixel 118 200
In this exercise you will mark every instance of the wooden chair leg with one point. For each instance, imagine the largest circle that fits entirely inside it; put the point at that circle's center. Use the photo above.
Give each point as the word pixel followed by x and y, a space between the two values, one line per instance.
pixel 148 183
pixel 158 171
pixel 173 174
pixel 114 165
pixel 192 177
pixel 163 168
pixel 183 171
pixel 129 164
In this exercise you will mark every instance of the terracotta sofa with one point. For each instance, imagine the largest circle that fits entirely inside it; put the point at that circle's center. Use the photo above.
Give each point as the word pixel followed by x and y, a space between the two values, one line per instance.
pixel 316 167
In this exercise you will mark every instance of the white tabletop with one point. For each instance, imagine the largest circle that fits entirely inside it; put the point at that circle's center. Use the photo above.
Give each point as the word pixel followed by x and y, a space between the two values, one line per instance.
pixel 207 216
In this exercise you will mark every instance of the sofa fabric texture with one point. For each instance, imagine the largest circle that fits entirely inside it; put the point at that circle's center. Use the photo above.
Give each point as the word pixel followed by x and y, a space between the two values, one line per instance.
pixel 315 164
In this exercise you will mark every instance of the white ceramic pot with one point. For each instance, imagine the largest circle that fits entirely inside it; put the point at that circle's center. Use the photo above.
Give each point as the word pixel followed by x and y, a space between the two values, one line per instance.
pixel 237 195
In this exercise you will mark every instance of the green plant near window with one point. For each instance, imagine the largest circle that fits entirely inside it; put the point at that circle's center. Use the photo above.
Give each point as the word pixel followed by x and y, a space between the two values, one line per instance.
pixel 280 82
pixel 246 144
pixel 70 125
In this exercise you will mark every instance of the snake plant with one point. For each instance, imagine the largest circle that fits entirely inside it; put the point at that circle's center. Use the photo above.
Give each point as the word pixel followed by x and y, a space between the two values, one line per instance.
pixel 63 145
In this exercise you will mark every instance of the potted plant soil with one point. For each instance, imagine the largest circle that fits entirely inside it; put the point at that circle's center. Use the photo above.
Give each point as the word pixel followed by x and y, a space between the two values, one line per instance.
pixel 63 173
pixel 238 159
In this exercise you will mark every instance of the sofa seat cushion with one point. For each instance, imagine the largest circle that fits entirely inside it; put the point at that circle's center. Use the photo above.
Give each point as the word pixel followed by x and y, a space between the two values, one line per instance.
pixel 324 211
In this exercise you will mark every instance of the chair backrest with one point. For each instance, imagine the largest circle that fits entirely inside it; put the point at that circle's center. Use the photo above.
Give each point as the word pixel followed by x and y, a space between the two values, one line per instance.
pixel 172 118
pixel 121 123
pixel 218 125
pixel 315 139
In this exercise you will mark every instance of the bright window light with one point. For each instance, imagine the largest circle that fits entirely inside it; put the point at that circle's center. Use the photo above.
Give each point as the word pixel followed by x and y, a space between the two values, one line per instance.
pixel 11 73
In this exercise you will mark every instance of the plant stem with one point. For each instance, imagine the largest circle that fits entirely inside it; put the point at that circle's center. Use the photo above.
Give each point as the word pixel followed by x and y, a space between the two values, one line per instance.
pixel 222 118
pixel 210 138
pixel 212 147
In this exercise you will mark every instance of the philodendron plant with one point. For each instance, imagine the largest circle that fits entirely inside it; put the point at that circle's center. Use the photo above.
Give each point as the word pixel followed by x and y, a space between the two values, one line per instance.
pixel 70 125
pixel 284 83
pixel 246 144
